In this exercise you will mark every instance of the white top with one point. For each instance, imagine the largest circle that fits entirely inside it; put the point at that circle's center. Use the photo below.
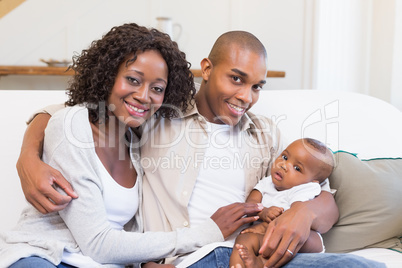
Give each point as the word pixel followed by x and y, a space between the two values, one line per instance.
pixel 212 190
pixel 272 197
pixel 121 204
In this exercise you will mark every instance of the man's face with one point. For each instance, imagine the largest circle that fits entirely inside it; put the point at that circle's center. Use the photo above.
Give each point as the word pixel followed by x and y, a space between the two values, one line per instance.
pixel 233 85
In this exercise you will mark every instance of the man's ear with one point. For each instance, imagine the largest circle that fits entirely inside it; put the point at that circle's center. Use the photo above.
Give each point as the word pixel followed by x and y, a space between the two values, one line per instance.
pixel 206 67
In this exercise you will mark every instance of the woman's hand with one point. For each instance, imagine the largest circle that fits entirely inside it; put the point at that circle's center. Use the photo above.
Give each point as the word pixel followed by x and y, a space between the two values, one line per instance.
pixel 231 217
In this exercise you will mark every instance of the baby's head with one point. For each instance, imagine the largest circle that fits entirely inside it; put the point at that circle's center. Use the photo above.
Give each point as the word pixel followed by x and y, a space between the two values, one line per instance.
pixel 304 160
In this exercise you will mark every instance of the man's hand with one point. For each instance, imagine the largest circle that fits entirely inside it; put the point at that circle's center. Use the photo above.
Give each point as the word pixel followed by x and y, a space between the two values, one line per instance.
pixel 38 181
pixel 231 217
pixel 286 235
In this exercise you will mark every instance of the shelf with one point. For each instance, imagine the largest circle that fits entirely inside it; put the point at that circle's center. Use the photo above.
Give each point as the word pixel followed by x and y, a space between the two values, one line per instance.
pixel 43 70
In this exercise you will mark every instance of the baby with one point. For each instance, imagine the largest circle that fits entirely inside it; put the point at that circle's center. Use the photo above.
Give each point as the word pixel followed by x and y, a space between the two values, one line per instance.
pixel 296 175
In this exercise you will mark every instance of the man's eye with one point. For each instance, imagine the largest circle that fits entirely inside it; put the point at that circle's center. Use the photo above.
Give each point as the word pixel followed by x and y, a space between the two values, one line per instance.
pixel 236 79
pixel 257 87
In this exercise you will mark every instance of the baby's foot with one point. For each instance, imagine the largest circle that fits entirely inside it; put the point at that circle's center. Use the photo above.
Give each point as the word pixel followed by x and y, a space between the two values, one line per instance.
pixel 250 260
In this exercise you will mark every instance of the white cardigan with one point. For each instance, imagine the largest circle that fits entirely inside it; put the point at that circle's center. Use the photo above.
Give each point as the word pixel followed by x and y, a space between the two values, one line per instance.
pixel 83 225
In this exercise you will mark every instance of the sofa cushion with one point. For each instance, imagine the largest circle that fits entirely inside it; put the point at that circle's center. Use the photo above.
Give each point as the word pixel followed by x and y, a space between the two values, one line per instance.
pixel 369 197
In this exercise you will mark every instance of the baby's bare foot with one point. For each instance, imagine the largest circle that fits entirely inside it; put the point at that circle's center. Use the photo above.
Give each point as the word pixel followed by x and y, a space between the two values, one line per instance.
pixel 250 260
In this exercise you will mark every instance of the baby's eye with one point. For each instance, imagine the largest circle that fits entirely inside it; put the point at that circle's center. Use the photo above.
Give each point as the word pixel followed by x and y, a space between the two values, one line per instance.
pixel 284 157
pixel 297 168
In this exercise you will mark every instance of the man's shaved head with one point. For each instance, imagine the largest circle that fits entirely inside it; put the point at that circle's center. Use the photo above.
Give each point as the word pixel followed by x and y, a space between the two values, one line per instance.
pixel 242 39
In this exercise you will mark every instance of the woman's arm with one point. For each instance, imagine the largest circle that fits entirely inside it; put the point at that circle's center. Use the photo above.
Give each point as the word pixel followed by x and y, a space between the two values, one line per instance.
pixel 292 228
pixel 37 178
pixel 86 216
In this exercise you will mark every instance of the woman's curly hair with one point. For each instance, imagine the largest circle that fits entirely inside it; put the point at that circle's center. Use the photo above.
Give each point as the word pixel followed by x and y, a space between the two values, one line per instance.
pixel 97 67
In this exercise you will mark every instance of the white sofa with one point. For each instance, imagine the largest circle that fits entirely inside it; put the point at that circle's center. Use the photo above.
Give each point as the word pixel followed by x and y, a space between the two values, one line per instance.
pixel 345 121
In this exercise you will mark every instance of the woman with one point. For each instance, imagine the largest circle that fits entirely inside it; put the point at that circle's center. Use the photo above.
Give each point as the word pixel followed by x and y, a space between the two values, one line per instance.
pixel 120 81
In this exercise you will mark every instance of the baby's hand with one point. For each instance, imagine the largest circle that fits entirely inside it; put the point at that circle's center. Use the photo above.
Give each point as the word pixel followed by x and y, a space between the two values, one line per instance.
pixel 259 228
pixel 269 214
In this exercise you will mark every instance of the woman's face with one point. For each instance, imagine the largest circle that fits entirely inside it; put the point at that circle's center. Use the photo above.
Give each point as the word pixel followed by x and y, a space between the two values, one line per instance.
pixel 139 88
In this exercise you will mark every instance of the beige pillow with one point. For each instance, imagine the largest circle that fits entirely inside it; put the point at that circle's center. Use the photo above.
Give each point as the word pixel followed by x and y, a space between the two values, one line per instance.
pixel 369 197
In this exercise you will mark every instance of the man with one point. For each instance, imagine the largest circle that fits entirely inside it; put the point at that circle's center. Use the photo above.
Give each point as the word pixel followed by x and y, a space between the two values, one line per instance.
pixel 206 160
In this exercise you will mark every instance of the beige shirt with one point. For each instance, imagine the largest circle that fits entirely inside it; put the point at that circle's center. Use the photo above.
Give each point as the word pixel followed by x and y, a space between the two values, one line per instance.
pixel 172 152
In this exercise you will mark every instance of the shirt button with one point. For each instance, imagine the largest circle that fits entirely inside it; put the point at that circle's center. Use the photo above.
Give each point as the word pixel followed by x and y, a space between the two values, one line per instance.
pixel 199 118
pixel 185 224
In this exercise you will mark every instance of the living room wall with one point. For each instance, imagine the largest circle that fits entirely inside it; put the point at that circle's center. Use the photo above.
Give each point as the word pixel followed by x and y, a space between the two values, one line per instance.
pixel 355 55
pixel 55 29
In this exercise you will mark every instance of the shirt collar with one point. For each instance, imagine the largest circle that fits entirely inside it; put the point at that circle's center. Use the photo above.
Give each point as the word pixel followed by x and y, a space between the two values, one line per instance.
pixel 245 122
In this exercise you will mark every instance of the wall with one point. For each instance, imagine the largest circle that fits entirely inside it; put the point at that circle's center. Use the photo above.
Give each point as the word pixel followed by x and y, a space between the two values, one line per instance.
pixel 396 79
pixel 343 40
pixel 358 47
pixel 55 29
pixel 320 44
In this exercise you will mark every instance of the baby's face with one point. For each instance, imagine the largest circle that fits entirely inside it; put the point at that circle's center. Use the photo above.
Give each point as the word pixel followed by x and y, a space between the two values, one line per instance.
pixel 296 165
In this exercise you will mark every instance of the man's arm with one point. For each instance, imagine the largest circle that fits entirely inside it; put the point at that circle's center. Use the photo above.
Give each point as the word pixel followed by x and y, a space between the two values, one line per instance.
pixel 313 244
pixel 37 178
pixel 292 228
pixel 326 211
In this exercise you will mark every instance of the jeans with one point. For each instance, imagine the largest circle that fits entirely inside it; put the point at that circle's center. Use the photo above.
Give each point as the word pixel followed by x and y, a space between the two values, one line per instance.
pixel 35 262
pixel 220 258
pixel 217 258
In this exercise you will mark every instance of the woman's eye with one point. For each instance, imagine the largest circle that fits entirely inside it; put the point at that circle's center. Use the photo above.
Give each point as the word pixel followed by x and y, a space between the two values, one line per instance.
pixel 132 80
pixel 159 89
